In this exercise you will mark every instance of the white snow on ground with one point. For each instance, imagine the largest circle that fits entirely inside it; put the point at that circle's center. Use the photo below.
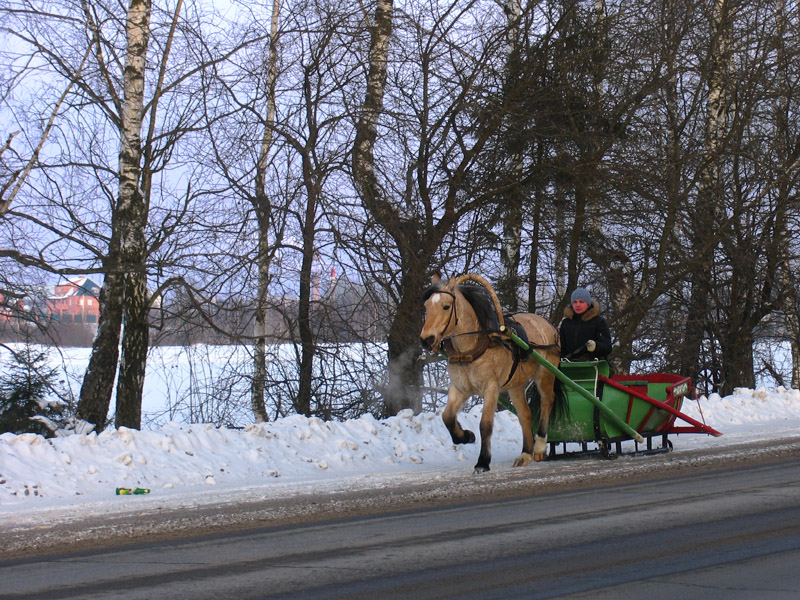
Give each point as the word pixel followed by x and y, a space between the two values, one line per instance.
pixel 191 465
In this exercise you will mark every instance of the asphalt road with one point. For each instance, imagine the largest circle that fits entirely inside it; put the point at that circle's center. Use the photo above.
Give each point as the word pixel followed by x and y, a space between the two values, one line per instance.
pixel 727 533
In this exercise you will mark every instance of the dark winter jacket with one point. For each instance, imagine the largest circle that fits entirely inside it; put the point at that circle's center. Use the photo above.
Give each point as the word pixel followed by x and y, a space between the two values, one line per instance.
pixel 576 330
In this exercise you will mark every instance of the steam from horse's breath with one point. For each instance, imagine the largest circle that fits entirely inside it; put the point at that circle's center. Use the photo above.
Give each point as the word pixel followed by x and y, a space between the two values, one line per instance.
pixel 397 384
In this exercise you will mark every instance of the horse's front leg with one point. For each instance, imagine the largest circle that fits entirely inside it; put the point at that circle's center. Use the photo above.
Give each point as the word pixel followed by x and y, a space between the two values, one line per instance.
pixel 455 400
pixel 487 427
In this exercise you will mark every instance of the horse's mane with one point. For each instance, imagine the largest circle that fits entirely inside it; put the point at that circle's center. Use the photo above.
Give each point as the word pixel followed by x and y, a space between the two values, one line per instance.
pixel 478 299
pixel 432 289
pixel 482 305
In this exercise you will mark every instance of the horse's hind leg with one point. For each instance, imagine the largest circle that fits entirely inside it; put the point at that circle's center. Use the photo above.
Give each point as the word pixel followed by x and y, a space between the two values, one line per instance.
pixel 545 382
pixel 520 402
pixel 455 400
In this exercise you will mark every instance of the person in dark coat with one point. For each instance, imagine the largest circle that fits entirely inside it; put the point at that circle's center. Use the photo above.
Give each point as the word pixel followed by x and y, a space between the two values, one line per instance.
pixel 584 333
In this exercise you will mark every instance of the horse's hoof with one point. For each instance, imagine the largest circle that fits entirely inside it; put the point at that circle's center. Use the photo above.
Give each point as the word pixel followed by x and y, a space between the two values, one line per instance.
pixel 523 460
pixel 469 438
pixel 481 469
pixel 539 457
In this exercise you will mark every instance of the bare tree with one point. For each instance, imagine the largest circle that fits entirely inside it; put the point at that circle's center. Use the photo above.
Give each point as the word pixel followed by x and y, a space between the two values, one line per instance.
pixel 647 149
pixel 443 112
pixel 299 155
pixel 508 283
pixel 265 216
pixel 91 215
pixel 787 150
pixel 131 213
pixel 707 209
pixel 759 210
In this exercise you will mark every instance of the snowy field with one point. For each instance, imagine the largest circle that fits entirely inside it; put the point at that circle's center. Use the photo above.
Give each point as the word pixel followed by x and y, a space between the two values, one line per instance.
pixel 46 480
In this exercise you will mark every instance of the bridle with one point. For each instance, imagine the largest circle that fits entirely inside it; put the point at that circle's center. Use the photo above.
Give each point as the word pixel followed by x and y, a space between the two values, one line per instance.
pixel 442 335
pixel 492 338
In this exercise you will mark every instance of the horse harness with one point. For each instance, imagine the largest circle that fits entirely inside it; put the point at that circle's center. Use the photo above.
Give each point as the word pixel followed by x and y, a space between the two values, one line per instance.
pixel 488 338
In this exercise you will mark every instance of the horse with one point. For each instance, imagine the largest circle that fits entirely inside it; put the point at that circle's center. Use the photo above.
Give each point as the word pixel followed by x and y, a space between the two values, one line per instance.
pixel 464 321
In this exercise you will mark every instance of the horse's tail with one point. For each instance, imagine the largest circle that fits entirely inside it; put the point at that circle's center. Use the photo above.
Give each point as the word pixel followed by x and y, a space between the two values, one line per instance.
pixel 560 402
pixel 560 409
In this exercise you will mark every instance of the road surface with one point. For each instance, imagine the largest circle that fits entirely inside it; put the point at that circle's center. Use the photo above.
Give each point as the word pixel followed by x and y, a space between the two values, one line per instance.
pixel 726 533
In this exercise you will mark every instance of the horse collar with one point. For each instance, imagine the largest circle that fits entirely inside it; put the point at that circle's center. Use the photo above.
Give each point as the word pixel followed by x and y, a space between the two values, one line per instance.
pixel 485 341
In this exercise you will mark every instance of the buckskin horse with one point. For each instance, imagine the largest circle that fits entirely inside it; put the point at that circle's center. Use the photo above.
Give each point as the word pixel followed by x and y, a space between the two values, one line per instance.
pixel 465 322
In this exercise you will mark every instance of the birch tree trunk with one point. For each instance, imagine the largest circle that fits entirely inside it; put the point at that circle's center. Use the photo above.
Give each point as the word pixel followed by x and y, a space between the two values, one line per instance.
pixel 263 209
pixel 367 127
pixel 562 228
pixel 124 287
pixel 535 236
pixel 98 381
pixel 132 219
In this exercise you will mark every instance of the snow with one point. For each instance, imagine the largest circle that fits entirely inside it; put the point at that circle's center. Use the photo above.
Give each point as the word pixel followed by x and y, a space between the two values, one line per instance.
pixel 44 480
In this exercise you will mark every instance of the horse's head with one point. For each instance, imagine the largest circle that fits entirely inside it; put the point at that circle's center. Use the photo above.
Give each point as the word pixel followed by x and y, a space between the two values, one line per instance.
pixel 440 306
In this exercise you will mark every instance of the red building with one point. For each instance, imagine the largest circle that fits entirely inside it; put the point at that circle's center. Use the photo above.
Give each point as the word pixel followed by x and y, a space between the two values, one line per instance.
pixel 75 301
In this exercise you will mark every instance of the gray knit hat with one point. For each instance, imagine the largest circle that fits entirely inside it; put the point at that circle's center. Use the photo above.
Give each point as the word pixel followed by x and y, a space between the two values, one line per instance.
pixel 581 294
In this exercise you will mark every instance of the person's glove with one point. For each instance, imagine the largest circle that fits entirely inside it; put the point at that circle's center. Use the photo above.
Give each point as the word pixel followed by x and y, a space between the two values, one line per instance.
pixel 591 345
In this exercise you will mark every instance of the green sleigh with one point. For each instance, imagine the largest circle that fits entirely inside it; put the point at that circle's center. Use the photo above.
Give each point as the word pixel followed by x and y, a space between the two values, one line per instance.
pixel 610 409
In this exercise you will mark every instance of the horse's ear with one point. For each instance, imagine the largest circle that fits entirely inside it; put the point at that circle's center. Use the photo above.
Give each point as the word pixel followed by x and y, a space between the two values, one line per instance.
pixel 436 278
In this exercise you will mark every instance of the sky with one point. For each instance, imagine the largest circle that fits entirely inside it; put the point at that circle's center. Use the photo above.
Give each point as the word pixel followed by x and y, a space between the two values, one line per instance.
pixel 44 481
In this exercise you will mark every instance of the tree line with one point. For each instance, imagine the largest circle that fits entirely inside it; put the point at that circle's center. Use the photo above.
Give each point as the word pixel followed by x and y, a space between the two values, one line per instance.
pixel 646 150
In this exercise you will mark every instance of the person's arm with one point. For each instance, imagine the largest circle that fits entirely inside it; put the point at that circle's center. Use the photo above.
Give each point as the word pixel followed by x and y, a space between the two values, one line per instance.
pixel 566 348
pixel 602 338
